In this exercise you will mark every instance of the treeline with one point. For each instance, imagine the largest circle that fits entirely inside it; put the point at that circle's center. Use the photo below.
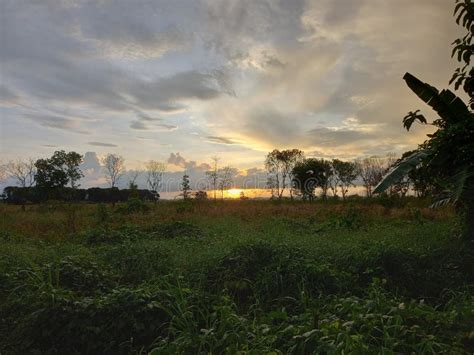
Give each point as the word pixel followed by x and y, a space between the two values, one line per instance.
pixel 56 178
pixel 37 194
pixel 289 170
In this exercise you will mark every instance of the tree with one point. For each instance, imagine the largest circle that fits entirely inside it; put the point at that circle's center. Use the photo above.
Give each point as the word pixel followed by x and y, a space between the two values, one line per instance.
pixel 213 175
pixel 371 171
pixel 133 176
pixel 185 187
pixel 72 160
pixel 154 174
pixel 463 49
pixel 273 167
pixel 200 195
pixel 58 170
pixel 344 174
pixel 3 172
pixel 310 174
pixel 226 175
pixel 23 171
pixel 271 185
pixel 280 164
pixel 448 153
pixel 114 167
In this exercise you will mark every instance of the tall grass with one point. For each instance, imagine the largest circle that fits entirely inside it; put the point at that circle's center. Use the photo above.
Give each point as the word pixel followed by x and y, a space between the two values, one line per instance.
pixel 235 276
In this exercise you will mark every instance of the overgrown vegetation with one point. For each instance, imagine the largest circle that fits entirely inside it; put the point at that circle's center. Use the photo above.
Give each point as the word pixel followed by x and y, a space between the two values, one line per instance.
pixel 236 276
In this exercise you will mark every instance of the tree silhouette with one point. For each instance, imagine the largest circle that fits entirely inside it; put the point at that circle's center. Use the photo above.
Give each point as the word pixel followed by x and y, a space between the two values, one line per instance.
pixel 185 187
pixel 114 168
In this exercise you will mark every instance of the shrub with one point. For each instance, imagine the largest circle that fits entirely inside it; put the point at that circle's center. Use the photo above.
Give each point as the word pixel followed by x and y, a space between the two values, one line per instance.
pixel 272 274
pixel 133 205
pixel 121 322
pixel 137 261
pixel 178 229
pixel 111 236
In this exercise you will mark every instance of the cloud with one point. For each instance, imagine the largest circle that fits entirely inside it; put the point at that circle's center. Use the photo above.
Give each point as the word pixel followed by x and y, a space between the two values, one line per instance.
pixel 176 159
pixel 138 125
pixel 101 144
pixel 221 140
pixel 248 75
pixel 8 97
pixel 57 122
pixel 166 93
pixel 337 137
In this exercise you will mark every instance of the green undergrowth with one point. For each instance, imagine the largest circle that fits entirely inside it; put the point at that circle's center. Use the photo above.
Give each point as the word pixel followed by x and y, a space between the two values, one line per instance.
pixel 340 283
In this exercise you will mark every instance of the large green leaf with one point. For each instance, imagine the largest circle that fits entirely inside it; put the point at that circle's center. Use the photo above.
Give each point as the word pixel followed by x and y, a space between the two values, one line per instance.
pixel 448 106
pixel 400 170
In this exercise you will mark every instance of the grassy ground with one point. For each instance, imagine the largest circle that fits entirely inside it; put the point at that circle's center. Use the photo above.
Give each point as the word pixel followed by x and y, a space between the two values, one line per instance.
pixel 235 276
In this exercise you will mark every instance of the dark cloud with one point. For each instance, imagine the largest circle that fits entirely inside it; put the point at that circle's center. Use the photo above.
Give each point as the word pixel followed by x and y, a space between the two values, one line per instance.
pixel 177 159
pixel 221 140
pixel 168 127
pixel 101 144
pixel 58 122
pixel 166 93
pixel 138 125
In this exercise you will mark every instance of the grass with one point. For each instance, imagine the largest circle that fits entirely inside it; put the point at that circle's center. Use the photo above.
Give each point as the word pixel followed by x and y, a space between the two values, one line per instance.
pixel 235 277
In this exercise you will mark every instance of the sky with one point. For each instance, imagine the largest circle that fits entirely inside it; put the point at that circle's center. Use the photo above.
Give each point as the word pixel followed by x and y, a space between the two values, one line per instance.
pixel 183 81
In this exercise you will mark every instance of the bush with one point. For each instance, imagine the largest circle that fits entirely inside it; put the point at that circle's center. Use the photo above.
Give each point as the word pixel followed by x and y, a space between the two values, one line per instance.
pixel 138 261
pixel 272 274
pixel 120 322
pixel 133 205
pixel 70 273
pixel 178 229
pixel 111 236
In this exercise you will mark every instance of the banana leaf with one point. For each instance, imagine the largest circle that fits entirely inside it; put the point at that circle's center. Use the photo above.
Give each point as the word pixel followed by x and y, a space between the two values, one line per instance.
pixel 400 170
pixel 448 106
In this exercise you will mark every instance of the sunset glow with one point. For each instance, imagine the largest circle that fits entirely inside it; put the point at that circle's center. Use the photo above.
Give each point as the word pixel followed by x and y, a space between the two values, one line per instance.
pixel 234 193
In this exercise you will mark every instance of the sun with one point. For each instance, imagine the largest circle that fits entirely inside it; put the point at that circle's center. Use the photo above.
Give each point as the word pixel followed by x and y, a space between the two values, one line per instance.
pixel 234 193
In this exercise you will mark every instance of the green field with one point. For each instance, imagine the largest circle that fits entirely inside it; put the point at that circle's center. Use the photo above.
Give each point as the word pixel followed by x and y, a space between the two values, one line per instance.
pixel 256 277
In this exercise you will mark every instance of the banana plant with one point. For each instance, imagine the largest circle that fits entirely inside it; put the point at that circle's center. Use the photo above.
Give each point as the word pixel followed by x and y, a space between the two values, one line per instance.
pixel 449 151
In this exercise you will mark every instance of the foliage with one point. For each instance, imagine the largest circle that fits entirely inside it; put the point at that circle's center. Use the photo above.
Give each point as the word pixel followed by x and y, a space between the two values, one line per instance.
pixel 178 229
pixel 310 174
pixel 58 170
pixel 200 195
pixel 238 276
pixel 463 48
pixel 448 153
pixel 344 174
pixel 185 187
pixel 280 165
pixel 133 205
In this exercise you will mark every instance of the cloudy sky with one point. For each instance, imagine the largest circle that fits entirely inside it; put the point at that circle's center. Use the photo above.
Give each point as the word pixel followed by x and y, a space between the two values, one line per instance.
pixel 149 79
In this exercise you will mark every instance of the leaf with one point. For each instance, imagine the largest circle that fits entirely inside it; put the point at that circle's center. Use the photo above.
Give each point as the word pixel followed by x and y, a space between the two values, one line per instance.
pixel 412 117
pixel 448 106
pixel 400 170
